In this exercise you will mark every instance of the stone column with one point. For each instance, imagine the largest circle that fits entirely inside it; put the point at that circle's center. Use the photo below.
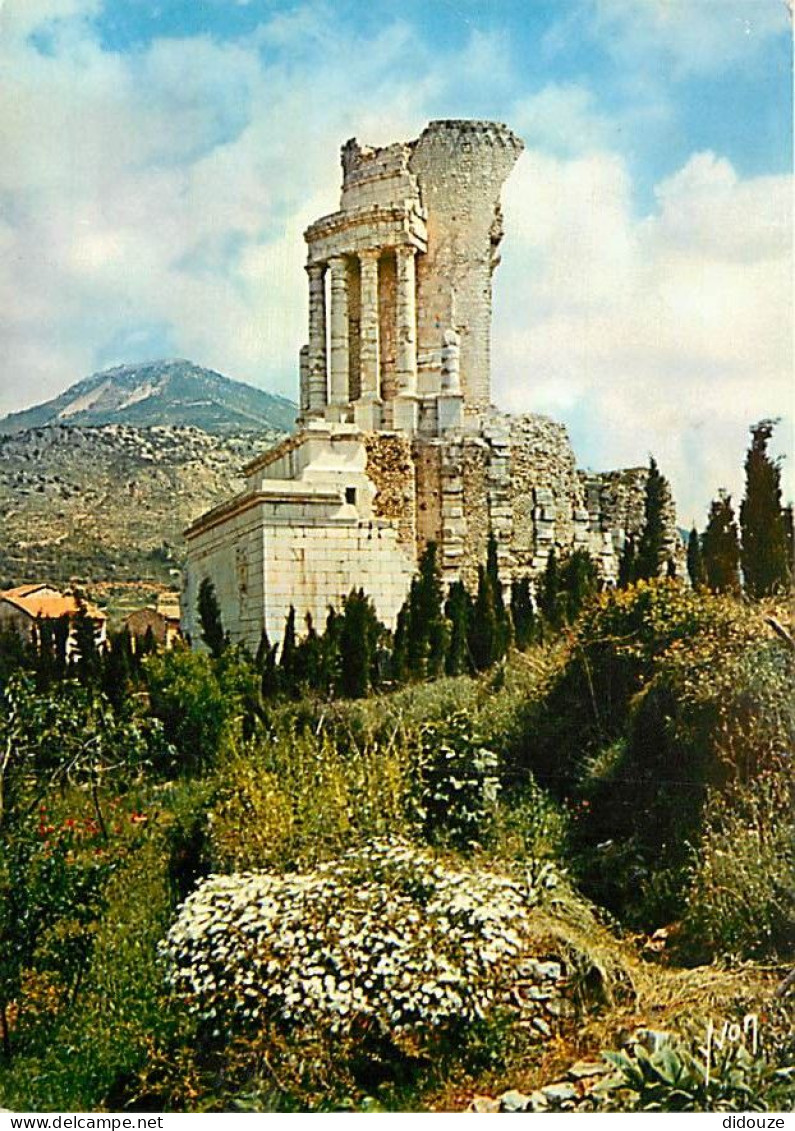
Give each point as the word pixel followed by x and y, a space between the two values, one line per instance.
pixel 405 407
pixel 303 371
pixel 339 361
pixel 406 315
pixel 367 413
pixel 318 392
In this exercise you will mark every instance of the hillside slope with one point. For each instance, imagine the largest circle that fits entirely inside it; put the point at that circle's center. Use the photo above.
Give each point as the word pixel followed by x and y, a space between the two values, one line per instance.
pixel 110 503
pixel 160 393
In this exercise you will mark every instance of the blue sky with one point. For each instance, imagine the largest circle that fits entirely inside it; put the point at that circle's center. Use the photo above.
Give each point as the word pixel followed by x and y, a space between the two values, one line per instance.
pixel 162 158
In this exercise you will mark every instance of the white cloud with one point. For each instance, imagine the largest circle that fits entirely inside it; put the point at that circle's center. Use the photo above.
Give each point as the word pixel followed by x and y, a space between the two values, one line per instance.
pixel 20 18
pixel 170 188
pixel 670 333
pixel 561 118
pixel 696 36
pixel 161 196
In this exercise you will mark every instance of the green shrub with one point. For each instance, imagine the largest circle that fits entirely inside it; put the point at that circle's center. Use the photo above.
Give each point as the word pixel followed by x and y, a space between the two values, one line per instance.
pixel 295 797
pixel 187 697
pixel 665 694
pixel 741 898
pixel 459 782
pixel 94 1051
pixel 674 1078
pixel 530 826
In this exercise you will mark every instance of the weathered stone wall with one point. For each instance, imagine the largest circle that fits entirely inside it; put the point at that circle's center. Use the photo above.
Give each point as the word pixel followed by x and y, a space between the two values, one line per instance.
pixel 315 562
pixel 376 176
pixel 616 503
pixel 232 555
pixel 518 476
pixel 461 166
pixel 470 459
pixel 390 467
pixel 547 497
pixel 615 499
pixel 428 471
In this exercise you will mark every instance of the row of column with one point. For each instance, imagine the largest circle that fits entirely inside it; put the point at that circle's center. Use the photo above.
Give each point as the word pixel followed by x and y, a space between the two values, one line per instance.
pixel 329 384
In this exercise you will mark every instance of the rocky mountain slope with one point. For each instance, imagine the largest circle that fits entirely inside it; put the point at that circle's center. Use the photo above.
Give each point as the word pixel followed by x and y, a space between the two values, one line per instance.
pixel 110 503
pixel 162 394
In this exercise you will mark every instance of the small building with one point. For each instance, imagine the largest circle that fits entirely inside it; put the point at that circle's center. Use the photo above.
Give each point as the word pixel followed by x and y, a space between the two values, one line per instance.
pixel 23 607
pixel 162 621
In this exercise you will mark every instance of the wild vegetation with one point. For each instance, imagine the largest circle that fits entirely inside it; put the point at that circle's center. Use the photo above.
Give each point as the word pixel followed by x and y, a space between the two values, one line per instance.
pixel 334 876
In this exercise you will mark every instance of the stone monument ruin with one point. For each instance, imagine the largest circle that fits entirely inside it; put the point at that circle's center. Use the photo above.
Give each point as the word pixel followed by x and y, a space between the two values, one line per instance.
pixel 398 443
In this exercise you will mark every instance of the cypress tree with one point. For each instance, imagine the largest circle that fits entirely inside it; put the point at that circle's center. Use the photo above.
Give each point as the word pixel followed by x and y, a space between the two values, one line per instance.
pixel 484 631
pixel 263 648
pixel 358 640
pixel 523 613
pixel 764 555
pixel 309 657
pixel 458 611
pixel 427 631
pixel 416 639
pixel 212 629
pixel 651 547
pixel 117 669
pixel 330 652
pixel 721 547
pixel 267 667
pixel 43 643
pixel 148 643
pixel 503 621
pixel 627 563
pixel 400 644
pixel 61 631
pixel 288 654
pixel 579 580
pixel 695 560
pixel 549 590
pixel 86 657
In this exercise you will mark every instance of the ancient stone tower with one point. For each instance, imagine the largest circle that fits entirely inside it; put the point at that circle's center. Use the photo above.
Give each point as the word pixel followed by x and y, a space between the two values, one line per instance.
pixel 400 281
pixel 398 444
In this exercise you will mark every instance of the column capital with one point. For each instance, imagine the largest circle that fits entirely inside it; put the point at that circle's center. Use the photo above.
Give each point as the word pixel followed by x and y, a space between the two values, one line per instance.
pixel 370 253
pixel 405 250
pixel 335 262
pixel 315 270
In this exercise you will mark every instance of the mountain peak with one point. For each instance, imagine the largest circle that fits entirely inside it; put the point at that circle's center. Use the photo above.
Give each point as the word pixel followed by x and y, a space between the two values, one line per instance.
pixel 170 391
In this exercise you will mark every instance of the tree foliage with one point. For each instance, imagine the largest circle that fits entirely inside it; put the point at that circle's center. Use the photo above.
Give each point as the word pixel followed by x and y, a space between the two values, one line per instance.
pixel 721 547
pixel 424 624
pixel 695 560
pixel 459 612
pixel 764 556
pixel 651 547
pixel 212 628
pixel 523 614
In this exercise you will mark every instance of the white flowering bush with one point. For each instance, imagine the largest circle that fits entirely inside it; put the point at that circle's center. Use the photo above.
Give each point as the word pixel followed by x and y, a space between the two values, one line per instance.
pixel 386 939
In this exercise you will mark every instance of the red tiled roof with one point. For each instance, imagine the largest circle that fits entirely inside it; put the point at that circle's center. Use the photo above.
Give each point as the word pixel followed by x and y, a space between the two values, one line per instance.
pixel 29 599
